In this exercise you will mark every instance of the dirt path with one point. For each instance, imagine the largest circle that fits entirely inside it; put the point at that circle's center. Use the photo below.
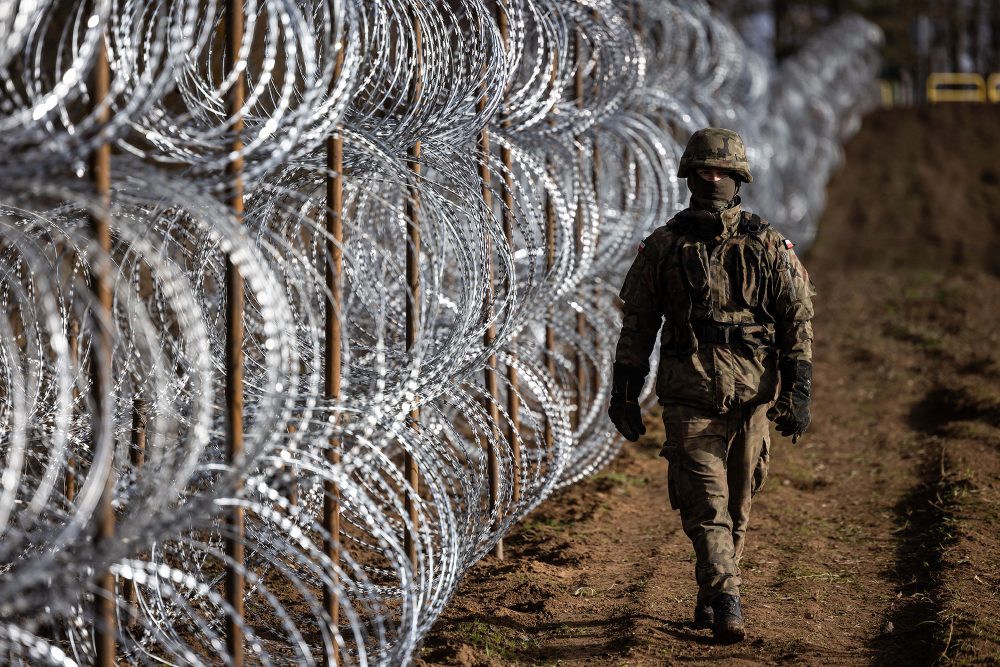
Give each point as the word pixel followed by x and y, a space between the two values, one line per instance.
pixel 875 539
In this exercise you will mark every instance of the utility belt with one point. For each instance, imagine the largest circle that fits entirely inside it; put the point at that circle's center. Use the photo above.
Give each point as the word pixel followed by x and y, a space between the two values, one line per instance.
pixel 716 333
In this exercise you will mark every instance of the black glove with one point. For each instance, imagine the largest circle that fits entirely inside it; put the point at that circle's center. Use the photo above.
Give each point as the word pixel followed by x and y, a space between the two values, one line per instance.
pixel 626 385
pixel 790 413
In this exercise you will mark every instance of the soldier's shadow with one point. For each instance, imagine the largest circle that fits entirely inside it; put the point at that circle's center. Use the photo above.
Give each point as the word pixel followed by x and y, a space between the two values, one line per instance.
pixel 685 631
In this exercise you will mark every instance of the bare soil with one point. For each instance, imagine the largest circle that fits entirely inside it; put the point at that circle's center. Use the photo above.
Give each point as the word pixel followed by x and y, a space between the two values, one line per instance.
pixel 875 538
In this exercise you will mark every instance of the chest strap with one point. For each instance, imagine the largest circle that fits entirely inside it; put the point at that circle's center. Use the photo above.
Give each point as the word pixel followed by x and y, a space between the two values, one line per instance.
pixel 715 333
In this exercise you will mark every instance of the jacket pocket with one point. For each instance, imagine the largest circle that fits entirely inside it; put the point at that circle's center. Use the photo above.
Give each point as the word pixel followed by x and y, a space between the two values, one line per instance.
pixel 684 379
pixel 743 271
pixel 673 473
pixel 677 339
pixel 671 452
pixel 763 463
pixel 694 262
pixel 688 437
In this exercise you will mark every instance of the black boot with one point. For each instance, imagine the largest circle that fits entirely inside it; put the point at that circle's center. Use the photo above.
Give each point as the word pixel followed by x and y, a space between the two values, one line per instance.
pixel 704 615
pixel 727 626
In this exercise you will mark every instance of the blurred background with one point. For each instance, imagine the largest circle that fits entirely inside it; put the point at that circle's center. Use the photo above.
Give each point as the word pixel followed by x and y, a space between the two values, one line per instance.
pixel 921 36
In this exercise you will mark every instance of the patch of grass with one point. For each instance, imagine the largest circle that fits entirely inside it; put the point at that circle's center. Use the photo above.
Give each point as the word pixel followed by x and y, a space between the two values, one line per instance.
pixel 621 478
pixel 799 474
pixel 519 578
pixel 495 641
pixel 921 335
pixel 639 585
pixel 850 532
pixel 586 592
pixel 546 525
pixel 916 283
pixel 797 572
pixel 949 296
pixel 569 631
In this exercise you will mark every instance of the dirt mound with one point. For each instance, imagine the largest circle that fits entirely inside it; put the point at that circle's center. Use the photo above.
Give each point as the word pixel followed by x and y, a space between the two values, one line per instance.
pixel 875 539
pixel 920 189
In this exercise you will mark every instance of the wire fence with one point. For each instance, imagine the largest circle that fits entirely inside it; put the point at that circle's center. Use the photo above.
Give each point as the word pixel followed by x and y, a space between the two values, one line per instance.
pixel 308 301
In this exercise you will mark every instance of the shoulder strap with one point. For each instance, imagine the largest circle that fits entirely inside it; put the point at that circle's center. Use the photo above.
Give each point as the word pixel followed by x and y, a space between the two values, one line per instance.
pixel 752 224
pixel 679 226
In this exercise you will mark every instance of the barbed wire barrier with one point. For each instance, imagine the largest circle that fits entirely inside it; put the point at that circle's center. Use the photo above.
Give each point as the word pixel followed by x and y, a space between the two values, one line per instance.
pixel 307 302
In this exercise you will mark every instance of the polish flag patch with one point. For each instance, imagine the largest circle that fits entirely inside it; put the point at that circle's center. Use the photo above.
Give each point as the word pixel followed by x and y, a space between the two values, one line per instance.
pixel 789 245
pixel 642 246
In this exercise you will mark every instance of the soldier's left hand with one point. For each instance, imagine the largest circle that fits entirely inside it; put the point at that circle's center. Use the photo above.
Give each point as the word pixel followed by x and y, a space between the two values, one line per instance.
pixel 624 411
pixel 790 415
pixel 627 418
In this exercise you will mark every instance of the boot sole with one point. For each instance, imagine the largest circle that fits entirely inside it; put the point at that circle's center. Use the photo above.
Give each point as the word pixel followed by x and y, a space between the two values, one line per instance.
pixel 729 635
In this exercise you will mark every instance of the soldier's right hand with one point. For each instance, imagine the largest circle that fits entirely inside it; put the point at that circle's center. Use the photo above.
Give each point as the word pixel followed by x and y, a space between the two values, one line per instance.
pixel 624 411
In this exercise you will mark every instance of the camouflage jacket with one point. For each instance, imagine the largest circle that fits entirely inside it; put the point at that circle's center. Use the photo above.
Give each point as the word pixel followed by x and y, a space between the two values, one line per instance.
pixel 692 281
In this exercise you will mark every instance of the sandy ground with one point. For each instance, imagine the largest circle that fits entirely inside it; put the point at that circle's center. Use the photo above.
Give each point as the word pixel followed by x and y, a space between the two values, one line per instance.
pixel 875 538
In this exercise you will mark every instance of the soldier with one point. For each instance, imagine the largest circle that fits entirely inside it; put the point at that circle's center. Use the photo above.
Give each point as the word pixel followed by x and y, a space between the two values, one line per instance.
pixel 732 305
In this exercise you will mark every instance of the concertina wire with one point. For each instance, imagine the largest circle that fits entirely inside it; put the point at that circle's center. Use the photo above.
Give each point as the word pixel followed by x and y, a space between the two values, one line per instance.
pixel 523 242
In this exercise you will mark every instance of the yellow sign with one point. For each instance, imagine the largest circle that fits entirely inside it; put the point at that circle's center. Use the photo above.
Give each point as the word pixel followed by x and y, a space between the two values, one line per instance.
pixel 888 94
pixel 956 87
pixel 993 87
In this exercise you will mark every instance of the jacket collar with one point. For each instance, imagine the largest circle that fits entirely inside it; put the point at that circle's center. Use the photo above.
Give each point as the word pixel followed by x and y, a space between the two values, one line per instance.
pixel 717 224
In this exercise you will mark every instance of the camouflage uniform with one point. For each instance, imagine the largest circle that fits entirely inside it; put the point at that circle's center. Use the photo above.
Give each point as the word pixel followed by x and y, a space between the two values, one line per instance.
pixel 728 299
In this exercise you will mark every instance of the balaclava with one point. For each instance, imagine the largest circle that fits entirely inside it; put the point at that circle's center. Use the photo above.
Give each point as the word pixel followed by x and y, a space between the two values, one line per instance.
pixel 712 195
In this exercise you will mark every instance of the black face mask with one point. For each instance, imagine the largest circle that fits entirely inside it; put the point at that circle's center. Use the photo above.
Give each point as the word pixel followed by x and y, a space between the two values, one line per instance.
pixel 712 195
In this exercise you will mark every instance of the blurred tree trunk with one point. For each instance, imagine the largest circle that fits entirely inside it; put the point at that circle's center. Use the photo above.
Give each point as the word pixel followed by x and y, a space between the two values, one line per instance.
pixel 972 20
pixel 994 63
pixel 977 17
pixel 955 34
pixel 780 9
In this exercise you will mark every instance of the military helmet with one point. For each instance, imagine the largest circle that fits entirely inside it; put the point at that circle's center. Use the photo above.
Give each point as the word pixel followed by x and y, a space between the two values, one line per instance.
pixel 715 148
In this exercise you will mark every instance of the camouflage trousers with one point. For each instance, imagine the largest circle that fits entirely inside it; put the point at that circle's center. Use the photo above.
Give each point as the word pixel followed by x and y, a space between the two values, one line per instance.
pixel 716 465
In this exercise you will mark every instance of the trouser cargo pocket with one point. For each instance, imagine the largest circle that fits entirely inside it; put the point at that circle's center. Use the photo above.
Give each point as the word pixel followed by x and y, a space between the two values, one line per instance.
pixel 760 472
pixel 671 452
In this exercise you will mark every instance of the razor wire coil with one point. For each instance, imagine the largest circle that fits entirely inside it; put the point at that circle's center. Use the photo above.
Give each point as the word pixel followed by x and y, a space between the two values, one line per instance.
pixel 585 104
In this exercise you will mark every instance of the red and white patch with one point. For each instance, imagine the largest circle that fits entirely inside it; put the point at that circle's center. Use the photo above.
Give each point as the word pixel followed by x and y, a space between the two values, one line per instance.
pixel 642 246
pixel 789 245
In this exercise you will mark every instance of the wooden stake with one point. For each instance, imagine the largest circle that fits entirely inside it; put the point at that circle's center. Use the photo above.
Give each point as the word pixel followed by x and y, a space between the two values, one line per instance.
pixel 580 360
pixel 410 470
pixel 490 372
pixel 595 169
pixel 73 341
pixel 106 627
pixel 550 261
pixel 550 334
pixel 137 457
pixel 507 195
pixel 332 351
pixel 235 583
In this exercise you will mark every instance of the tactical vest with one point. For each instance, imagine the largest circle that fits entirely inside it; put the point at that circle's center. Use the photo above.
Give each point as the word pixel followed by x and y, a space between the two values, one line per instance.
pixel 714 290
